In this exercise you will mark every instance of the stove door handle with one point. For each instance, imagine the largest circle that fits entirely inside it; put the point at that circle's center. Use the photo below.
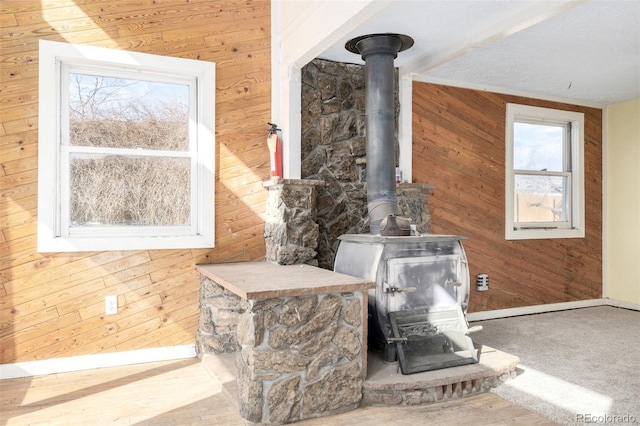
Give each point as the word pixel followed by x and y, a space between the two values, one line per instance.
pixel 393 290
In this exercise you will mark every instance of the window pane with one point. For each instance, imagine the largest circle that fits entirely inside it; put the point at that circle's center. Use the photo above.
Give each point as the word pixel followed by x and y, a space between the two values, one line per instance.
pixel 540 198
pixel 121 190
pixel 538 147
pixel 127 113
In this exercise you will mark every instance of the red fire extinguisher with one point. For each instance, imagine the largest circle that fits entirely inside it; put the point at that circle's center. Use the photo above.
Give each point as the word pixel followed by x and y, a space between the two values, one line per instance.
pixel 274 143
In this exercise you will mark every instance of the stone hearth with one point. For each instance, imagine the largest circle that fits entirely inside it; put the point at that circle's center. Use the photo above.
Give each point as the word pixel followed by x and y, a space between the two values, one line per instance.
pixel 386 386
pixel 297 334
pixel 289 342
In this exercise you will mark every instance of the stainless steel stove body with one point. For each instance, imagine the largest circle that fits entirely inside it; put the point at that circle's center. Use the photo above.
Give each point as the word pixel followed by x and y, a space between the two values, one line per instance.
pixel 415 274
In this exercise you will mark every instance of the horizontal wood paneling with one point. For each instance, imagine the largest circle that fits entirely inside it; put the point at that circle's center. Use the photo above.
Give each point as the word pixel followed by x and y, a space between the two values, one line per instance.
pixel 458 145
pixel 52 305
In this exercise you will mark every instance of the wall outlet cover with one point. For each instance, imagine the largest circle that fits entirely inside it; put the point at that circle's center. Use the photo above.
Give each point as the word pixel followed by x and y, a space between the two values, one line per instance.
pixel 111 305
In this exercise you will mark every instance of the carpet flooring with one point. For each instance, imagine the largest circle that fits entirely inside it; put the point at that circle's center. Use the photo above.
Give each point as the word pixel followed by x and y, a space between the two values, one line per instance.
pixel 576 366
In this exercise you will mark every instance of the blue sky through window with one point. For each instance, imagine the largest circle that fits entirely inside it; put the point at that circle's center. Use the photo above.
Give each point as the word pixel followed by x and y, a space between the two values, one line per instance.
pixel 141 98
pixel 538 147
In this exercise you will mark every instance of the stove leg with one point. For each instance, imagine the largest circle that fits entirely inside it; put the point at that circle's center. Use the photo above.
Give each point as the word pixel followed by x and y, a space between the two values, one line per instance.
pixel 390 354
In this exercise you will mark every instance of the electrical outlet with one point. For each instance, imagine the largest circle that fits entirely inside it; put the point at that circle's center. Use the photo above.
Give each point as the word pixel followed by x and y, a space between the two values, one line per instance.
pixel 111 305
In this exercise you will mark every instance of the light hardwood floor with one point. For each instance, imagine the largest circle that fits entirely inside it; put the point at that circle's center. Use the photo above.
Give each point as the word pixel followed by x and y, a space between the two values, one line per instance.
pixel 183 393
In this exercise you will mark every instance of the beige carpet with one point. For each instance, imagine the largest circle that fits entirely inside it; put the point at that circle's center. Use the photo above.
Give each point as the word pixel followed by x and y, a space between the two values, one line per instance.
pixel 577 366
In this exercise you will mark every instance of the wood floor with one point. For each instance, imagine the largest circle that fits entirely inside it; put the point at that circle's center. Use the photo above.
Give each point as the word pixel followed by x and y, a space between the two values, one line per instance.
pixel 183 393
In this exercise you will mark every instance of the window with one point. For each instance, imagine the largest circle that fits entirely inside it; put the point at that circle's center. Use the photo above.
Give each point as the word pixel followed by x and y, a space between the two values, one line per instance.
pixel 544 173
pixel 125 151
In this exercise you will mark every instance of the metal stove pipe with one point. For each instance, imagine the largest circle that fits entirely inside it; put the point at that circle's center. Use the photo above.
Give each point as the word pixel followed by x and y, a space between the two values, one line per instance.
pixel 379 51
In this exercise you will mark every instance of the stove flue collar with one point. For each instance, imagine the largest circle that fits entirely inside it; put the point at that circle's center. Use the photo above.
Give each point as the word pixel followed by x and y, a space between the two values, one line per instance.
pixel 391 43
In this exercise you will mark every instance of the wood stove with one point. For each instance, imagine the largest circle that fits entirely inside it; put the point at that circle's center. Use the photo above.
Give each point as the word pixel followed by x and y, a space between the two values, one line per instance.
pixel 422 282
pixel 416 311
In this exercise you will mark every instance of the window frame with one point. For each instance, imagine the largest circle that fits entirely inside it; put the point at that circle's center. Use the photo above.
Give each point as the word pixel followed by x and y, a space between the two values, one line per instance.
pixel 574 162
pixel 54 232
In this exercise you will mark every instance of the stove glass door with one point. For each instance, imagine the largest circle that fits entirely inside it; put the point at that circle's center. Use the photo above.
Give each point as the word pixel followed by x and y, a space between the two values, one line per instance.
pixel 422 282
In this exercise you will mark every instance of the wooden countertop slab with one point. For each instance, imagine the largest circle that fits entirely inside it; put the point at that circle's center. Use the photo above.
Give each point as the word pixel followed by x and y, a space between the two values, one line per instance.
pixel 264 280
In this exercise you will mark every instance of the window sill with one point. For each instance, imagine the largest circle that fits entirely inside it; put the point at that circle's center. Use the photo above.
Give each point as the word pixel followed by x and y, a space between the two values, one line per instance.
pixel 543 233
pixel 107 243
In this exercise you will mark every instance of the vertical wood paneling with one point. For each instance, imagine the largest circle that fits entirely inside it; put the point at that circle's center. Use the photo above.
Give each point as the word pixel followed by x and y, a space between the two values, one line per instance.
pixel 459 146
pixel 52 305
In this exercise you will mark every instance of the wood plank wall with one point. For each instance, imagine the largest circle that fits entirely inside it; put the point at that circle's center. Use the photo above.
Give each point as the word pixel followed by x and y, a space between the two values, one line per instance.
pixel 53 305
pixel 458 145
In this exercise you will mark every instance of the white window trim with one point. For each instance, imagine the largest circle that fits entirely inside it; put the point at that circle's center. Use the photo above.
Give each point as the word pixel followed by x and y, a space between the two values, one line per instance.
pixel 577 228
pixel 50 236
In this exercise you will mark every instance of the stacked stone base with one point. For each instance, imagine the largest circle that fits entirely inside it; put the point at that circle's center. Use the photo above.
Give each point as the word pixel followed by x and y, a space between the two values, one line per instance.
pixel 296 338
pixel 300 357
pixel 386 386
pixel 427 393
pixel 299 350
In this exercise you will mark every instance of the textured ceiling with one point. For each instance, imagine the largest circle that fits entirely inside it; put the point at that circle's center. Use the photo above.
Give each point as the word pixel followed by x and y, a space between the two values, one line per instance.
pixel 587 52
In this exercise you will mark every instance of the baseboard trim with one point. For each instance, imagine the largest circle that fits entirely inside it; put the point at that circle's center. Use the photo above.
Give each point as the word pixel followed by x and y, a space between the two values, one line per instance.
pixel 551 307
pixel 537 309
pixel 90 362
pixel 625 305
pixel 169 353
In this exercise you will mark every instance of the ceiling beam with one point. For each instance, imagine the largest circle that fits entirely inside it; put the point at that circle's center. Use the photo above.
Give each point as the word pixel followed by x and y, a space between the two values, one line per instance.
pixel 519 20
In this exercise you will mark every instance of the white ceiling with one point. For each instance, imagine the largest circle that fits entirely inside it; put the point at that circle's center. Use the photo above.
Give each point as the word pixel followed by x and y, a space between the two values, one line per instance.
pixel 586 52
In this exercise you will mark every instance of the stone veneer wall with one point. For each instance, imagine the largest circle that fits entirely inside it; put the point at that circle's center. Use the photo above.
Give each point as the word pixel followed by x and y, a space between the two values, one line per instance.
pixel 334 151
pixel 290 228
pixel 299 357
